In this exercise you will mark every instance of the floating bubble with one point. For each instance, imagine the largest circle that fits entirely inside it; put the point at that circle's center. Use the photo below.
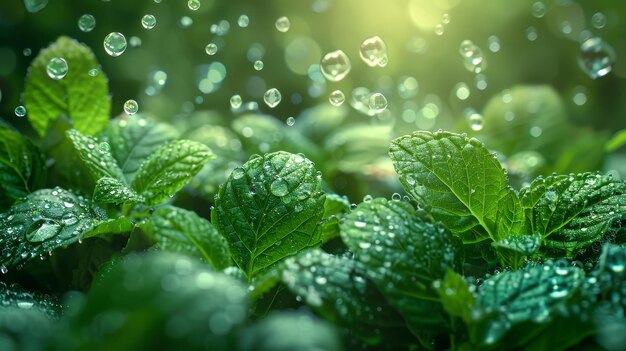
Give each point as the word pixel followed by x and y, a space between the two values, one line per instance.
pixel 373 51
pixel 596 57
pixel 461 90
pixel 494 43
pixel 93 72
pixel 131 107
pixel 598 20
pixel 27 52
pixel 439 29
pixel 211 49
pixel 538 9
pixel 221 28
pixel 272 97
pixel 115 44
pixel 185 22
pixel 480 81
pixel 57 68
pixel 86 23
pixel 235 101
pixel 20 111
pixel 33 6
pixel 531 33
pixel 473 56
pixel 291 121
pixel 377 102
pixel 134 42
pixel 243 21
pixel 148 21
pixel 474 119
pixel 445 18
pixel 258 65
pixel 193 5
pixel 579 96
pixel 335 65
pixel 282 24
pixel 336 98
pixel 535 131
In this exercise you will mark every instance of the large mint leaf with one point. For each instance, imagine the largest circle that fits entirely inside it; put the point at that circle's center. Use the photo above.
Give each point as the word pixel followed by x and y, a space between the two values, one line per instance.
pixel 22 166
pixel 110 226
pixel 463 184
pixel 85 99
pixel 41 222
pixel 169 168
pixel 178 230
pixel 404 255
pixel 110 190
pixel 574 211
pixel 269 209
pixel 133 140
pixel 96 156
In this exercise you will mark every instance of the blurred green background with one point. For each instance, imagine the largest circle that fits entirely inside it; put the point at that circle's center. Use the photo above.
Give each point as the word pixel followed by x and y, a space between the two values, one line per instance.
pixel 541 111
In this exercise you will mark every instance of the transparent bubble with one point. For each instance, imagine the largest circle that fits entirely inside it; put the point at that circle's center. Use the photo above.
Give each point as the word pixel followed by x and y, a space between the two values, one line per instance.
pixel 193 5
pixel 243 21
pixel 131 107
pixel 272 97
pixel 336 98
pixel 258 65
pixel 474 119
pixel 20 111
pixel 57 68
pixel 462 91
pixel 282 24
pixel 474 59
pixel 134 42
pixel 494 43
pixel 148 21
pixel 531 33
pixel 27 52
pixel 373 51
pixel 480 81
pixel 185 22
pixel 596 57
pixel 33 6
pixel 115 44
pixel 538 9
pixel 439 29
pixel 377 102
pixel 335 65
pixel 235 101
pixel 598 20
pixel 291 121
pixel 86 23
pixel 211 49
pixel 579 96
pixel 93 72
pixel 445 18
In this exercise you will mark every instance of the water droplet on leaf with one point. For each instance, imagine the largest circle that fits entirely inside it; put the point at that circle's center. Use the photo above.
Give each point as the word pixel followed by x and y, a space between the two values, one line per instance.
pixel 57 68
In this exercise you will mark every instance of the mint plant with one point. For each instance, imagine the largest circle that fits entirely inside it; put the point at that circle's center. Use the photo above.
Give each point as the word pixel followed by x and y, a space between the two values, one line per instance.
pixel 91 223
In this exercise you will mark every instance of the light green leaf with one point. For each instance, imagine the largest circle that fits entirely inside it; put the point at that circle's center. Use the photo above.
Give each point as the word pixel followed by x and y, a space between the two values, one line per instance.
pixel 22 166
pixel 455 295
pixel 110 190
pixel 41 222
pixel 618 140
pixel 95 155
pixel 464 185
pixel 133 140
pixel 118 225
pixel 573 211
pixel 85 99
pixel 404 256
pixel 178 230
pixel 168 169
pixel 269 209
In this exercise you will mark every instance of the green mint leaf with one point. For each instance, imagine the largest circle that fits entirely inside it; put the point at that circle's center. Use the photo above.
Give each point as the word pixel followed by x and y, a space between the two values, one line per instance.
pixel 618 140
pixel 334 208
pixel 455 295
pixel 573 211
pixel 168 169
pixel 525 245
pixel 41 222
pixel 338 289
pixel 22 166
pixel 464 184
pixel 85 99
pixel 133 140
pixel 118 225
pixel 269 209
pixel 113 191
pixel 404 256
pixel 95 155
pixel 178 230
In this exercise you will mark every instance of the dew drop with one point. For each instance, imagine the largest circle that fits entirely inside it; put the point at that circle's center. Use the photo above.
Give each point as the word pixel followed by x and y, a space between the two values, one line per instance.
pixel 335 65
pixel 336 98
pixel 279 188
pixel 33 6
pixel 243 21
pixel 473 57
pixel 104 147
pixel 462 91
pixel 282 24
pixel 86 23
pixel 373 51
pixel 474 119
pixel 57 68
pixel 210 49
pixel 4 270
pixel 538 9
pixel 596 57
pixel 365 245
pixel 377 102
pixel 42 230
pixel 237 173
pixel 258 65
pixel 235 101
pixel 20 111
pixel 291 121
pixel 131 107
pixel 272 97
pixel 115 44
pixel 93 72
pixel 396 197
pixel 598 20
pixel 148 21
pixel 193 5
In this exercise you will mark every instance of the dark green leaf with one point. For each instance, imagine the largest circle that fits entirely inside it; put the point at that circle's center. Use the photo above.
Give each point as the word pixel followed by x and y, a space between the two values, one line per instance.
pixel 464 184
pixel 334 208
pixel 41 222
pixel 85 99
pixel 110 190
pixel 134 139
pixel 178 230
pixel 95 155
pixel 574 211
pixel 269 209
pixel 168 169
pixel 22 166
pixel 404 256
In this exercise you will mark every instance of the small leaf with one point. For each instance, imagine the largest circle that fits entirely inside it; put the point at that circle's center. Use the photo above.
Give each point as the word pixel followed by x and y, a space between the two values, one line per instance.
pixel 43 221
pixel 574 211
pixel 618 140
pixel 111 226
pixel 110 190
pixel 178 230
pixel 269 209
pixel 455 295
pixel 168 169
pixel 95 155
pixel 464 184
pixel 404 256
pixel 133 140
pixel 525 245
pixel 22 166
pixel 334 208
pixel 85 99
